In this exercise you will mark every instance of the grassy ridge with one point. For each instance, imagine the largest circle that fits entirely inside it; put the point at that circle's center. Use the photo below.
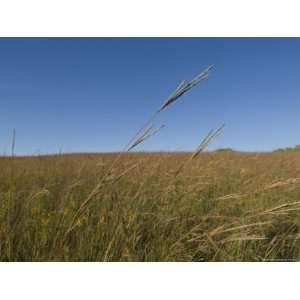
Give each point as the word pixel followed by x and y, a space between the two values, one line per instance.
pixel 222 206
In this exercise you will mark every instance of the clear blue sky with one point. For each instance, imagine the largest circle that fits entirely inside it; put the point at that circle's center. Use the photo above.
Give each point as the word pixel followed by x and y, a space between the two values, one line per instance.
pixel 93 94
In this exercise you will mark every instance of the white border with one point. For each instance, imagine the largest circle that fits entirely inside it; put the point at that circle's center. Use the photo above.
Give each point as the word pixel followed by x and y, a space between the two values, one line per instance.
pixel 149 18
pixel 149 280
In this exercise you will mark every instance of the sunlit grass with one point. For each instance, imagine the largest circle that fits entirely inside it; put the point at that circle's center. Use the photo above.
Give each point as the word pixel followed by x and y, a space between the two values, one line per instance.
pixel 223 206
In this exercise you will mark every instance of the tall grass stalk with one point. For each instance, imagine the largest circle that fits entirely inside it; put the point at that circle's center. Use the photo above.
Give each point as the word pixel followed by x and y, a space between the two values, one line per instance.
pixel 144 133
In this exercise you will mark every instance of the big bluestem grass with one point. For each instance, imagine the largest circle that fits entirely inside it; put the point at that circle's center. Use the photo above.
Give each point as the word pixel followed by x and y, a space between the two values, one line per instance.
pixel 143 134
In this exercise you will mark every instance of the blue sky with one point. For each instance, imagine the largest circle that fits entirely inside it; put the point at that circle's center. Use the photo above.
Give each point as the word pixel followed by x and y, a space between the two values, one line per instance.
pixel 79 95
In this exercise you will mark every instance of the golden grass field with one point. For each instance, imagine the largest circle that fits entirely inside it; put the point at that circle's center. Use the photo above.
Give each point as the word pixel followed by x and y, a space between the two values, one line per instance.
pixel 221 206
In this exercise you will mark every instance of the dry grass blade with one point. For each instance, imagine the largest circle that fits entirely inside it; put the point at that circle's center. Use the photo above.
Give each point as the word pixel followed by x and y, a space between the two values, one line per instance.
pixel 114 180
pixel 211 135
pixel 284 211
pixel 232 196
pixel 276 210
pixel 139 136
pixel 241 227
pixel 13 143
pixel 215 246
pixel 186 235
pixel 182 86
pixel 185 86
pixel 243 238
pixel 282 183
pixel 200 76
pixel 150 131
pixel 281 206
pixel 216 230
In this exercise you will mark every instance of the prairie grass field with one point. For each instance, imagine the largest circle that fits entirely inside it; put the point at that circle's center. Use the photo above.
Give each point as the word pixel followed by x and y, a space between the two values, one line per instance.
pixel 219 206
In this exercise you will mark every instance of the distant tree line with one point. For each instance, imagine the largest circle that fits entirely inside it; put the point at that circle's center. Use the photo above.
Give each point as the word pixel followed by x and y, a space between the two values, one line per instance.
pixel 290 149
pixel 223 149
